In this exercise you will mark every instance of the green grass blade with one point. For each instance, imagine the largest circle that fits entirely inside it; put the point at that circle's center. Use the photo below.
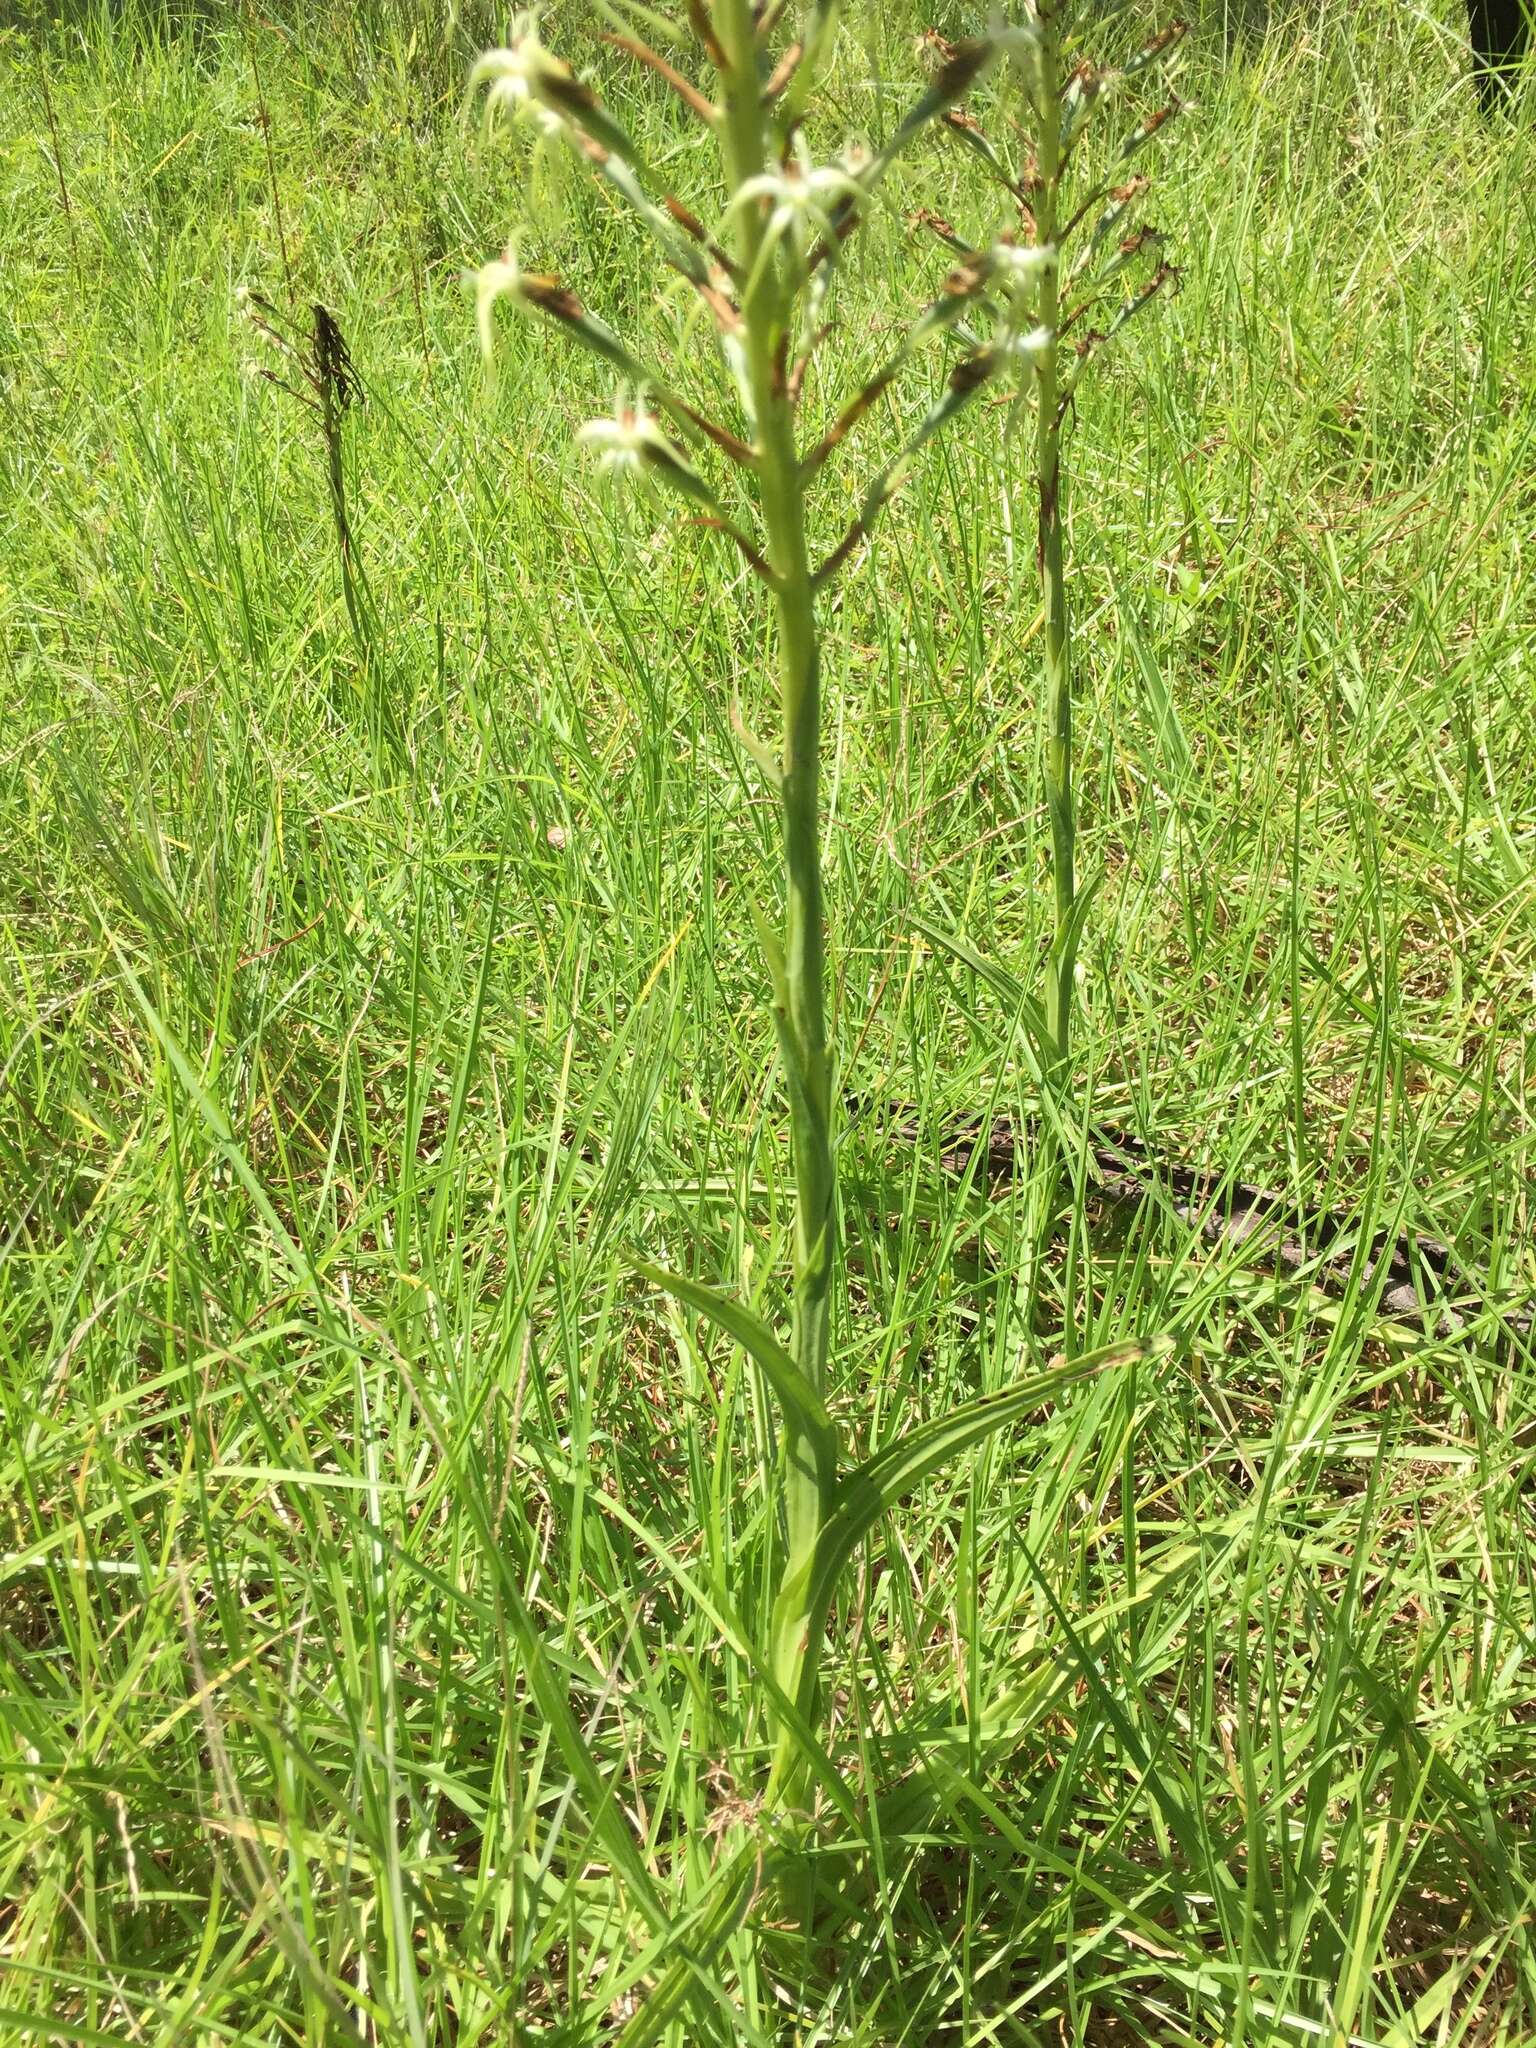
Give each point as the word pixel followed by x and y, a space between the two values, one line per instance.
pixel 864 1495
pixel 795 1394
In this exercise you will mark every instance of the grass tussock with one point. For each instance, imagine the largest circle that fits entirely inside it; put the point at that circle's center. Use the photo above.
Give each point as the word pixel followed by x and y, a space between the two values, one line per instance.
pixel 376 1557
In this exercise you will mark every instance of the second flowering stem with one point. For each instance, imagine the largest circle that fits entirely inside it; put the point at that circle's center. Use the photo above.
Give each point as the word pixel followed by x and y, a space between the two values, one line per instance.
pixel 1060 804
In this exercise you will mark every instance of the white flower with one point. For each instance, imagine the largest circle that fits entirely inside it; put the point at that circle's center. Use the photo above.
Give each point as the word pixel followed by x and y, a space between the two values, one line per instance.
pixel 521 74
pixel 500 279
pixel 631 443
pixel 1023 266
pixel 1022 272
pixel 1028 349
pixel 801 195
pixel 626 439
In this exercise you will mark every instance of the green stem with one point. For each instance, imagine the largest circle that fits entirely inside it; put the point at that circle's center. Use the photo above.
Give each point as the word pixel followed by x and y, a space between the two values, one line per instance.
pixel 1053 590
pixel 801 997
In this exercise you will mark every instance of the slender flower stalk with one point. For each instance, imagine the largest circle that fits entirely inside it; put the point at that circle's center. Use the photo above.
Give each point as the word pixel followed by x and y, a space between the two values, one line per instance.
pixel 1080 240
pixel 1048 548
pixel 765 274
pixel 769 266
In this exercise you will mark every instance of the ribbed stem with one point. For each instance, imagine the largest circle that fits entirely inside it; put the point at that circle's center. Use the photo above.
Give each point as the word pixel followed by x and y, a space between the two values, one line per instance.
pixel 1053 590
pixel 801 999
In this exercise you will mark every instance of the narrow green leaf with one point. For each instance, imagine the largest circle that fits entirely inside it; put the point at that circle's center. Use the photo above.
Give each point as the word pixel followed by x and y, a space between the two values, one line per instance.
pixel 1070 936
pixel 806 1116
pixel 551 1696
pixel 772 950
pixel 817 37
pixel 1061 964
pixel 864 1495
pixel 767 760
pixel 1171 737
pixel 796 1395
pixel 700 1942
pixel 221 1131
pixel 1033 1038
pixel 998 979
pixel 603 1810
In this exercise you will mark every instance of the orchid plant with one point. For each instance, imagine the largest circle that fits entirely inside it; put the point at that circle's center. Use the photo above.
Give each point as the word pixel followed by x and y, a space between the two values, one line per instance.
pixel 746 460
pixel 1078 264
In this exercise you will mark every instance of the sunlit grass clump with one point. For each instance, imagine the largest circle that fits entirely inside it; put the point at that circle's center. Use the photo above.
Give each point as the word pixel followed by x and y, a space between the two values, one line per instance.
pixel 392 1578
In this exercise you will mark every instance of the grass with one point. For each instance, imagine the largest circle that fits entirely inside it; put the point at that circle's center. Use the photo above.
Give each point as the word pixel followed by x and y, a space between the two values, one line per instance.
pixel 381 1563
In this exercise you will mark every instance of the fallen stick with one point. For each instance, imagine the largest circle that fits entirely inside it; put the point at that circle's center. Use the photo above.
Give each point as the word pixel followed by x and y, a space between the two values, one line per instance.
pixel 1417 1272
